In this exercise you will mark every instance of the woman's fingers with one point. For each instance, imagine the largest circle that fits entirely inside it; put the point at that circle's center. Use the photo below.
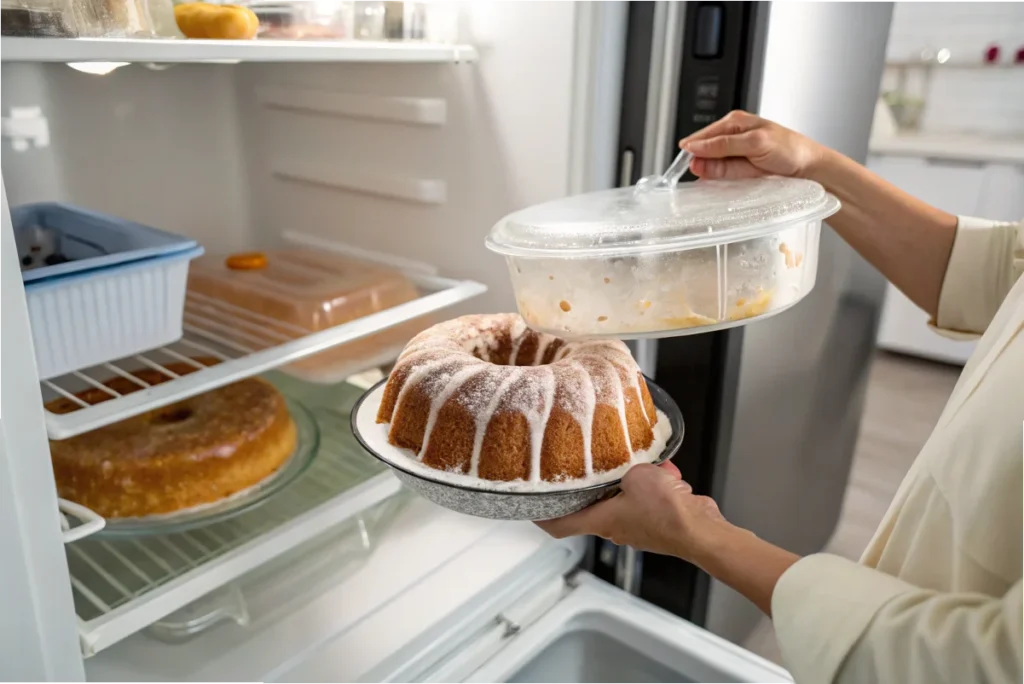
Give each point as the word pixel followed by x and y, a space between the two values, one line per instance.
pixel 745 144
pixel 724 169
pixel 594 519
pixel 670 467
pixel 732 123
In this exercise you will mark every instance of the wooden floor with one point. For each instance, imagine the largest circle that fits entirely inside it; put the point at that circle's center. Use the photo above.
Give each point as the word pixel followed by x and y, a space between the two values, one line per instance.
pixel 904 400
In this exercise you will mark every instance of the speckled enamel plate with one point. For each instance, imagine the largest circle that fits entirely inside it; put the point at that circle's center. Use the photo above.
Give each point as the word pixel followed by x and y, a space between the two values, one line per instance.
pixel 488 502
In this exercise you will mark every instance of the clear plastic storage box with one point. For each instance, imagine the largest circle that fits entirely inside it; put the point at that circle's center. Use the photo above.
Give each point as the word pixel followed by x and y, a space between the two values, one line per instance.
pixel 286 294
pixel 115 18
pixel 632 263
pixel 98 288
pixel 287 583
pixel 37 18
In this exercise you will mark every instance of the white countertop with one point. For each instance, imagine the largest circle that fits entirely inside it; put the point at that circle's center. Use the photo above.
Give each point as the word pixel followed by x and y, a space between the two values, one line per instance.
pixel 952 146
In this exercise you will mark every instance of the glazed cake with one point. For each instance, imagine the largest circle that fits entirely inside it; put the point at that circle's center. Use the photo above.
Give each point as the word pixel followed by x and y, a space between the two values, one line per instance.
pixel 485 396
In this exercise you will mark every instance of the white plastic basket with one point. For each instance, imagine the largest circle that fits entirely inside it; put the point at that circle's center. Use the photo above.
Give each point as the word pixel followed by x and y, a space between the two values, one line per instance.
pixel 97 316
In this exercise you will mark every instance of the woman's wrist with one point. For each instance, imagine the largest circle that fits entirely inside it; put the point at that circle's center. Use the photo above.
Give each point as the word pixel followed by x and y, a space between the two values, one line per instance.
pixel 829 168
pixel 710 542
pixel 741 560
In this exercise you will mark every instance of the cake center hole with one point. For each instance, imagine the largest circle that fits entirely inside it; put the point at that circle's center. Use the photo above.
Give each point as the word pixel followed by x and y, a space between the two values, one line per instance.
pixel 175 415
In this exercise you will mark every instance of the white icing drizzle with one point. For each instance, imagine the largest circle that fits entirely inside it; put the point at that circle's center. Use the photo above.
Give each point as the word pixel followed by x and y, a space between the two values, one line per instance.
pixel 538 421
pixel 421 372
pixel 586 421
pixel 542 346
pixel 484 418
pixel 454 383
pixel 620 404
pixel 516 343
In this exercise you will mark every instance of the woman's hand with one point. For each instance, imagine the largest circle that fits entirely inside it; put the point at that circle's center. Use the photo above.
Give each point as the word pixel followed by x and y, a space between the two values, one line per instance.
pixel 655 511
pixel 743 145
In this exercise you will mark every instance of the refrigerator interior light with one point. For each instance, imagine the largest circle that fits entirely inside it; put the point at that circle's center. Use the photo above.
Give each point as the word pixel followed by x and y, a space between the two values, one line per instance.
pixel 96 68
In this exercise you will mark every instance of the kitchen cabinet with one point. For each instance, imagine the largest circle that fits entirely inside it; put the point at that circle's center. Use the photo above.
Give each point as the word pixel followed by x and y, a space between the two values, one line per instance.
pixel 992 190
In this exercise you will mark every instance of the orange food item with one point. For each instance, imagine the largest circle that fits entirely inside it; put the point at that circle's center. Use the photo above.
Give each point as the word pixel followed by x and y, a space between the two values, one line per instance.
pixel 793 259
pixel 246 261
pixel 219 22
pixel 296 292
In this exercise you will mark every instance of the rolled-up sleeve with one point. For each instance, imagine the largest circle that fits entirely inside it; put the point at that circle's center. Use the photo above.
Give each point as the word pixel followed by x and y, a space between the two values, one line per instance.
pixel 986 260
pixel 838 621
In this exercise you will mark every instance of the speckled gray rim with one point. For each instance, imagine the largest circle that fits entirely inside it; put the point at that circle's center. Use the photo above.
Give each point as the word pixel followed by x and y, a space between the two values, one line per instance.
pixel 500 505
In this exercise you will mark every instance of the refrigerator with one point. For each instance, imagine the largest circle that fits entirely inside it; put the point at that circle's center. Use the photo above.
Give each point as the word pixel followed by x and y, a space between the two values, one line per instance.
pixel 406 155
pixel 772 409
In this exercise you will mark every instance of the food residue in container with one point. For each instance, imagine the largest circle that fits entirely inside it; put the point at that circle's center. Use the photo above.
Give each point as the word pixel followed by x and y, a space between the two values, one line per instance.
pixel 551 277
pixel 607 280
pixel 691 320
pixel 748 308
pixel 565 306
pixel 793 259
pixel 602 319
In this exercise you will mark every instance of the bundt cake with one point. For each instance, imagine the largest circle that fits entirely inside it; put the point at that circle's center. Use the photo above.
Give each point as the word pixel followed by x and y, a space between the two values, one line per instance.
pixel 487 397
pixel 195 452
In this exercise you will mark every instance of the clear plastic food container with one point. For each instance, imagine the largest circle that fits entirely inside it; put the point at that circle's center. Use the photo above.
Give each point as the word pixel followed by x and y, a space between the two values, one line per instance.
pixel 114 18
pixel 303 19
pixel 657 262
pixel 261 300
pixel 49 18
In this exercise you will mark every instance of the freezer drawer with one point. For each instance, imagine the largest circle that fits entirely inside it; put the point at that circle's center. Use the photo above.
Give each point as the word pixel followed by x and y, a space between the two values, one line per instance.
pixel 536 625
pixel 598 633
pixel 587 654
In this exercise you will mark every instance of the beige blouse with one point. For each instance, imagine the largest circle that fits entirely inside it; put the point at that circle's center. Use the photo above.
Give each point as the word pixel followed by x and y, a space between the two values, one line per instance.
pixel 937 596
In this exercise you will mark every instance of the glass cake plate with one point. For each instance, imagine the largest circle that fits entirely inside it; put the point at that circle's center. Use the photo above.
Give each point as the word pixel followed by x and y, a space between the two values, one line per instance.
pixel 306 448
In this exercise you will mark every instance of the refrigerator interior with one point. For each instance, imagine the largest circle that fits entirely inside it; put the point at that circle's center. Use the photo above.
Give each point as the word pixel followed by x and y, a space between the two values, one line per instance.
pixel 408 162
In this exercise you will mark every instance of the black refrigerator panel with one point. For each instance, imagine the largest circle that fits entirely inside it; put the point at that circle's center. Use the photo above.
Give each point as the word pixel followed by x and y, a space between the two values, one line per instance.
pixel 717 61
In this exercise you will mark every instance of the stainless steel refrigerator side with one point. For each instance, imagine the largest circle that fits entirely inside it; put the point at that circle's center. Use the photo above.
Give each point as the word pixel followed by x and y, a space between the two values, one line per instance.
pixel 803 374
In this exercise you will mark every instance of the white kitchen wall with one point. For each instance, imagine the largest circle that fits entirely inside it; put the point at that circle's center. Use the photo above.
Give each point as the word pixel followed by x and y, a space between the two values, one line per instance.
pixel 964 100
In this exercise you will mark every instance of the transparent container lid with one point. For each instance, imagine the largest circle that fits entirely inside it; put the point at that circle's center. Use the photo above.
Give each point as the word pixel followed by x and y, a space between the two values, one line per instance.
pixel 301 290
pixel 636 220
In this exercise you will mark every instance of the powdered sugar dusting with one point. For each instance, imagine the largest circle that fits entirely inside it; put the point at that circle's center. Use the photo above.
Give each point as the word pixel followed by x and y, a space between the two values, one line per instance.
pixel 620 404
pixel 484 417
pixel 437 402
pixel 538 419
pixel 586 416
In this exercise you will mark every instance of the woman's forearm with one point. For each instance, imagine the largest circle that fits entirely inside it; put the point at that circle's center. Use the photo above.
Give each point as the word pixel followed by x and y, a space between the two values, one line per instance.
pixel 906 239
pixel 744 562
